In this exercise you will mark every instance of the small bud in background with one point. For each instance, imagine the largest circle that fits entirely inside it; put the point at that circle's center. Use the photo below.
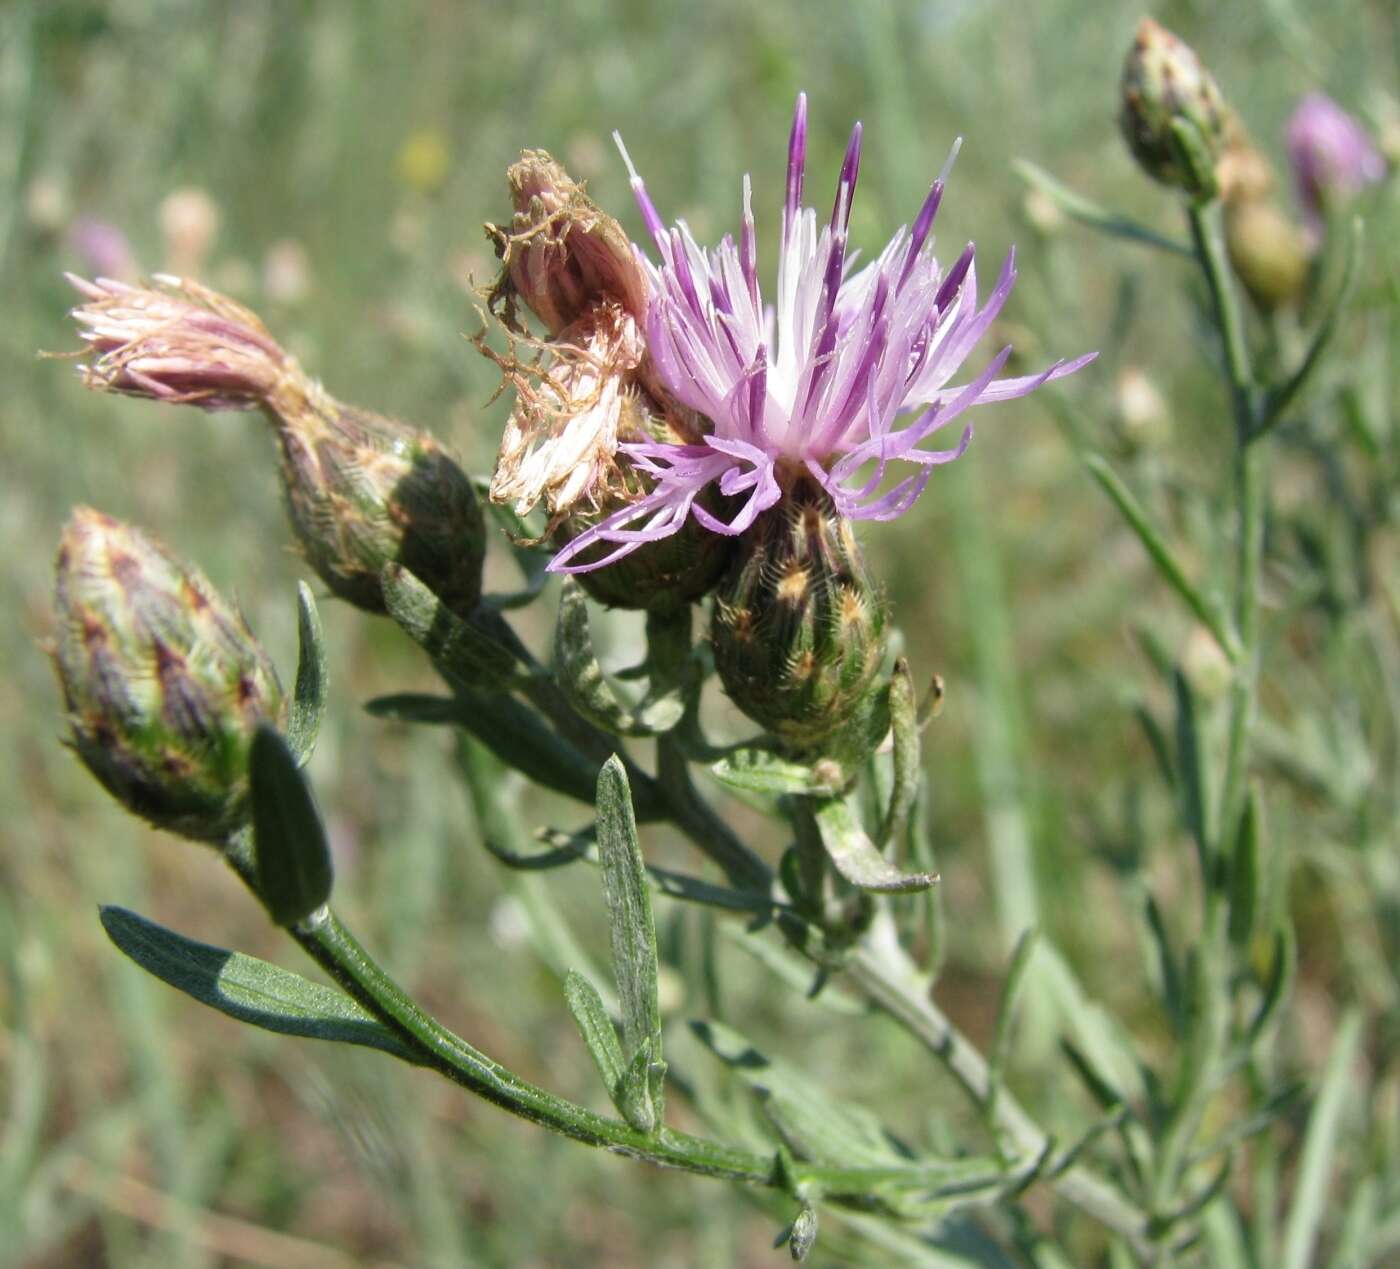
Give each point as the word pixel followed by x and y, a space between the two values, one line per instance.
pixel 1165 88
pixel 163 682
pixel 189 223
pixel 1270 254
pixel 362 490
pixel 799 629
pixel 46 204
pixel 1042 213
pixel 1332 155
pixel 286 272
pixel 1140 410
pixel 1205 665
pixel 102 248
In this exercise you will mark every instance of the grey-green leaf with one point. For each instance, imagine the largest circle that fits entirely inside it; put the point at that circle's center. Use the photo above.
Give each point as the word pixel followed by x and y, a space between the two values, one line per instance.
pixel 632 929
pixel 309 695
pixel 1310 1191
pixel 904 728
pixel 856 858
pixel 591 1018
pixel 247 988
pixel 294 875
pixel 463 650
pixel 750 770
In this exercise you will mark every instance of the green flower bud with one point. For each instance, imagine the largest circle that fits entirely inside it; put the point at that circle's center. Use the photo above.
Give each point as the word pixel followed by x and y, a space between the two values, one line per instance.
pixel 1173 115
pixel 799 629
pixel 363 491
pixel 163 682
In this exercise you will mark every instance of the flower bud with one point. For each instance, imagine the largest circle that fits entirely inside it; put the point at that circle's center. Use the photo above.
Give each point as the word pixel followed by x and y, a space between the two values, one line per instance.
pixel 1332 155
pixel 1165 88
pixel 799 630
pixel 362 491
pixel 163 682
pixel 1270 254
pixel 588 389
pixel 562 255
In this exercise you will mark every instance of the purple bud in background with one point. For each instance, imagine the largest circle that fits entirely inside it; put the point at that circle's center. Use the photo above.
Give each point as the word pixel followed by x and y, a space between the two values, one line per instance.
pixel 103 249
pixel 1333 156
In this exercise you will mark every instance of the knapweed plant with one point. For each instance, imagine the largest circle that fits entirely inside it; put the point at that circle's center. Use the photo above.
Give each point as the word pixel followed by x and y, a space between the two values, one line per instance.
pixel 695 436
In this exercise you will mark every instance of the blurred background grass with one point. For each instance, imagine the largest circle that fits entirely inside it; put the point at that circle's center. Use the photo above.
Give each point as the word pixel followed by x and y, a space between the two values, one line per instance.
pixel 350 152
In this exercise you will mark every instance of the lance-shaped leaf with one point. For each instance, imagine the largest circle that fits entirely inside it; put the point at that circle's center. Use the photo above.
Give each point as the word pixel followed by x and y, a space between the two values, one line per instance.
pixel 1207 610
pixel 293 858
pixel 1246 875
pixel 633 936
pixel 855 856
pixel 247 988
pixel 1079 208
pixel 591 1018
pixel 1310 1191
pixel 308 705
pixel 1191 775
pixel 752 770
pixel 810 1120
pixel 904 729
pixel 1277 403
pixel 581 677
pixel 1006 1019
pixel 514 732
pixel 461 648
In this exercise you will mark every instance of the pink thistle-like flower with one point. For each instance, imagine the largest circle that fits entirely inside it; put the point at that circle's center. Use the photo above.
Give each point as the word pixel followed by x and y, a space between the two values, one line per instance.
pixel 848 374
pixel 1332 155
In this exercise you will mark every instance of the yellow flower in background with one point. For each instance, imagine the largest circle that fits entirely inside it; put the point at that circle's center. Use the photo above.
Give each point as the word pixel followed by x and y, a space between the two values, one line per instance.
pixel 422 160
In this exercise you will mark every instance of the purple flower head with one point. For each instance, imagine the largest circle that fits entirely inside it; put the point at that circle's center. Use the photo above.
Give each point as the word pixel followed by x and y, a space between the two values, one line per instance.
pixel 1333 156
pixel 847 374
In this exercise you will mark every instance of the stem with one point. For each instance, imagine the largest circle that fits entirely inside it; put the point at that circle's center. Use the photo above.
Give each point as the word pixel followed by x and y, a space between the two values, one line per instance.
pixel 1211 254
pixel 884 972
pixel 337 951
pixel 698 821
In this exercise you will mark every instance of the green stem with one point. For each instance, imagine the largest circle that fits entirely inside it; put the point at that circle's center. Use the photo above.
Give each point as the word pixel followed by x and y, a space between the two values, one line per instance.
pixel 337 951
pixel 1211 254
pixel 884 972
pixel 698 821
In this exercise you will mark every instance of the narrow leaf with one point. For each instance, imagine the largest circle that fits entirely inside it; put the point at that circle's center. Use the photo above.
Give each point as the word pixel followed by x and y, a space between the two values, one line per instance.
pixel 1278 402
pixel 855 857
pixel 523 740
pixel 530 556
pixel 632 929
pixel 751 770
pixel 247 988
pixel 293 857
pixel 1006 1018
pixel 633 1098
pixel 596 1028
pixel 1190 776
pixel 581 678
pixel 1079 208
pixel 417 707
pixel 1207 611
pixel 462 649
pixel 811 1121
pixel 904 727
pixel 1310 1191
pixel 1169 971
pixel 1279 986
pixel 308 706
pixel 1246 876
